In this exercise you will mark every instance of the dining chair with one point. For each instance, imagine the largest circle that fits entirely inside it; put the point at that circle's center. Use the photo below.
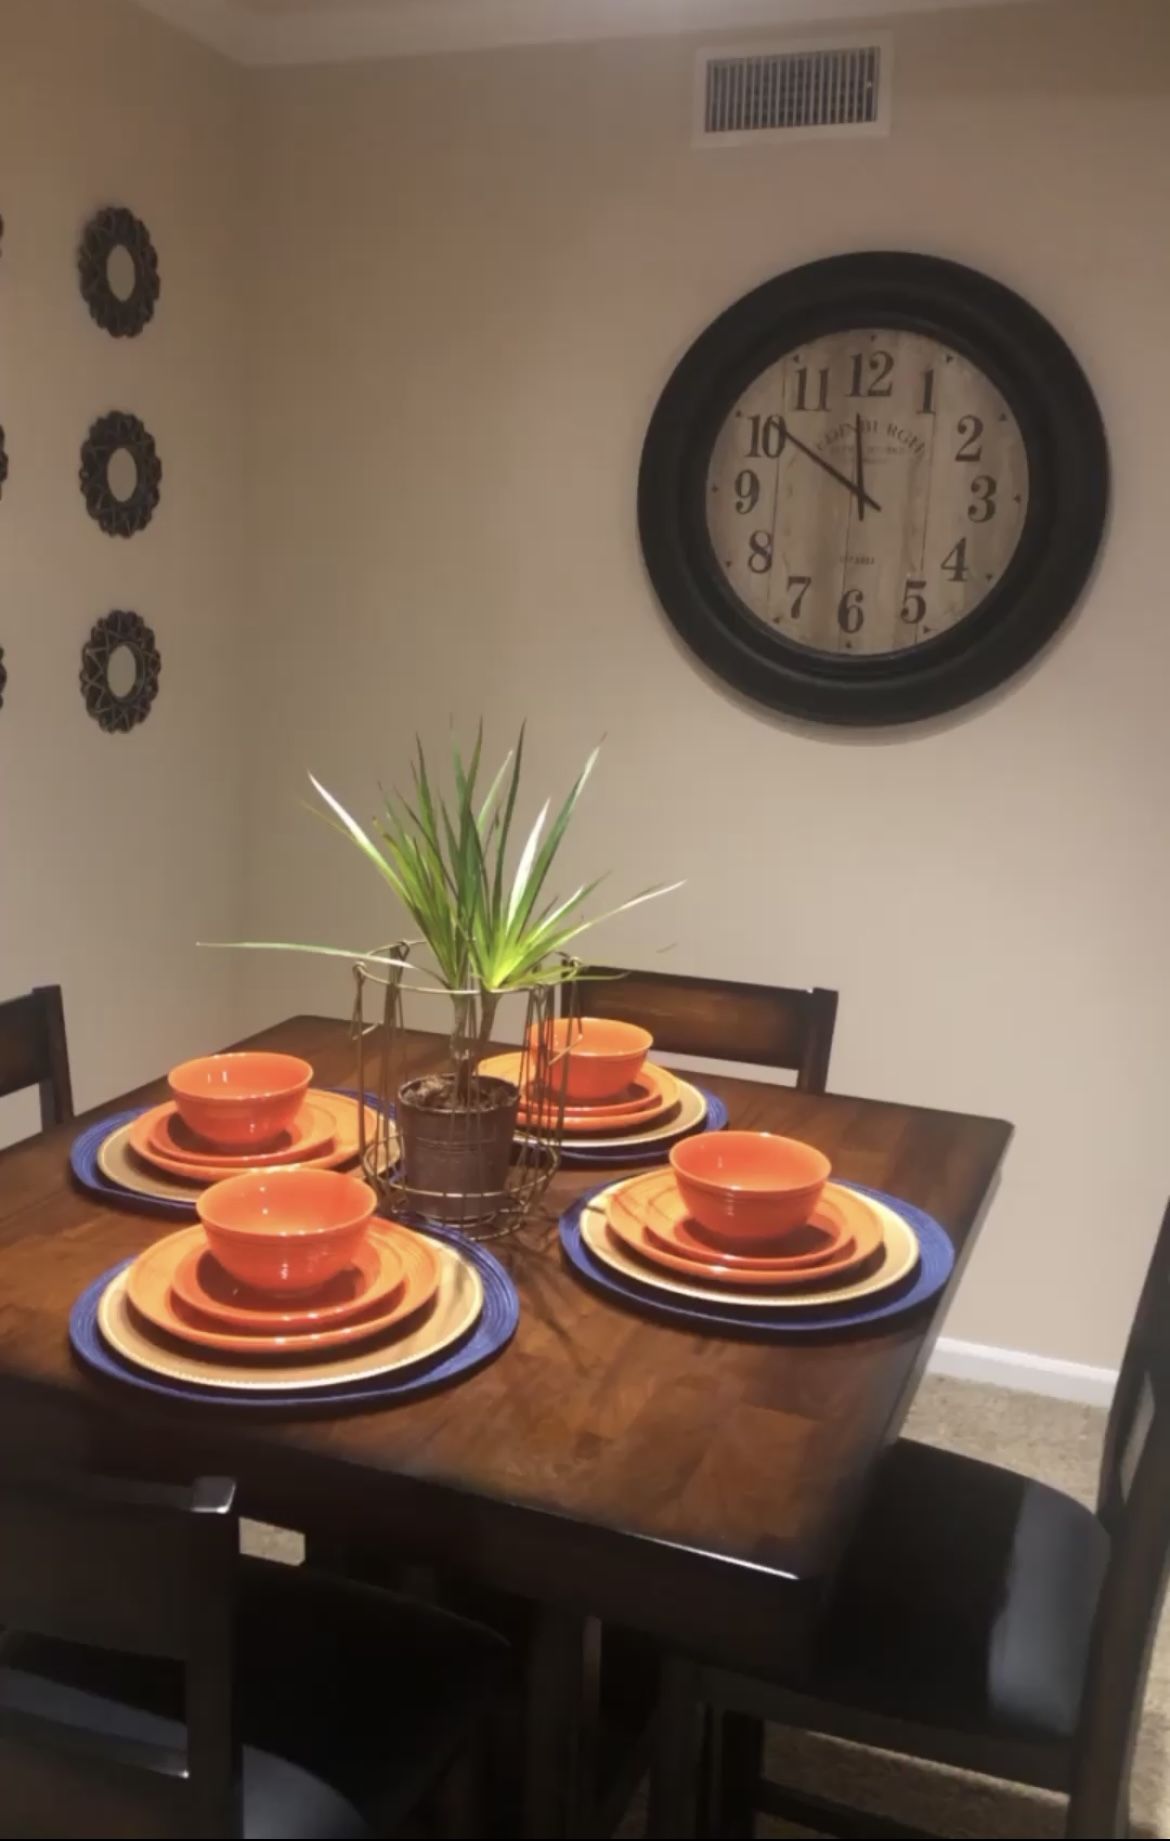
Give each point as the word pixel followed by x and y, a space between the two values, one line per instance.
pixel 34 1053
pixel 980 1620
pixel 764 1025
pixel 154 1683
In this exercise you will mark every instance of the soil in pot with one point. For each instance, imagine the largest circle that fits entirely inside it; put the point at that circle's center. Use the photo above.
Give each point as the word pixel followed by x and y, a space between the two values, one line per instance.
pixel 456 1154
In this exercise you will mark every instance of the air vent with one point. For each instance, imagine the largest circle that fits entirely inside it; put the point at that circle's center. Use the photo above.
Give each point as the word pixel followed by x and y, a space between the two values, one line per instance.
pixel 799 90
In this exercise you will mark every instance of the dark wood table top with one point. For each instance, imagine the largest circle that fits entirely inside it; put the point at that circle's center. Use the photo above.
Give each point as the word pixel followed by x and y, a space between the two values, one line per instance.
pixel 678 1482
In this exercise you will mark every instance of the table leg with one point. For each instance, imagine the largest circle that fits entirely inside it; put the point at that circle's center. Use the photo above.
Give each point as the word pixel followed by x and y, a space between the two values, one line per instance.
pixel 561 1695
pixel 740 1763
pixel 674 1777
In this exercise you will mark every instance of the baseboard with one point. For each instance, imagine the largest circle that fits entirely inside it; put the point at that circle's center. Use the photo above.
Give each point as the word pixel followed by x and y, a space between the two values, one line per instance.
pixel 1033 1374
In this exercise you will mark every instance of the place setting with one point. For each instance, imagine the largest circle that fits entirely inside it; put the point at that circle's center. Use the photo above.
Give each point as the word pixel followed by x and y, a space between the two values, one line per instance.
pixel 291 1292
pixel 226 1114
pixel 746 1232
pixel 607 1100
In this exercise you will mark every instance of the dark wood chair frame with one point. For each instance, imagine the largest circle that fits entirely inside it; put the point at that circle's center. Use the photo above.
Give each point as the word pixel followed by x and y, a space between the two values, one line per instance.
pixel 65 1541
pixel 711 1719
pixel 762 1025
pixel 34 1053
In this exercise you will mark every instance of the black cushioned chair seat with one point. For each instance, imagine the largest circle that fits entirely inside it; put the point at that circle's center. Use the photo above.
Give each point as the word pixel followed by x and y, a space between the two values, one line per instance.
pixel 967 1600
pixel 350 1700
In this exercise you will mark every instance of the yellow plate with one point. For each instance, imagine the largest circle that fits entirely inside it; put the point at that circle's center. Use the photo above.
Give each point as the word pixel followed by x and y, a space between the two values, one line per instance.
pixel 457 1305
pixel 901 1257
pixel 117 1160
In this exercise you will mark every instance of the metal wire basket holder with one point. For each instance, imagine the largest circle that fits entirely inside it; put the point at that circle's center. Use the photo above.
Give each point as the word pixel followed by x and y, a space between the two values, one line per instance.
pixel 493 1171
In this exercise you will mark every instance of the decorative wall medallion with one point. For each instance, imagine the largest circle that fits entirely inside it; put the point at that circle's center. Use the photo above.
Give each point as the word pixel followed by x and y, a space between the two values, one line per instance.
pixel 120 473
pixel 120 667
pixel 118 265
pixel 3 461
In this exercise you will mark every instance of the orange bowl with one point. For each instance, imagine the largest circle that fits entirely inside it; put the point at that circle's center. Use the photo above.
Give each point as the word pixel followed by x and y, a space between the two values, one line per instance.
pixel 747 1186
pixel 286 1231
pixel 240 1099
pixel 600 1060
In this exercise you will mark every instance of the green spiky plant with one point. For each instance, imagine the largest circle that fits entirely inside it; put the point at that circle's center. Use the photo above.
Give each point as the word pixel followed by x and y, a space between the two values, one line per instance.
pixel 489 928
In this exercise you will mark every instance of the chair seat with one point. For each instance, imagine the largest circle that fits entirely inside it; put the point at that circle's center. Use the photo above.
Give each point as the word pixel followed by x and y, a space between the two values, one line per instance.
pixel 966 1602
pixel 351 1701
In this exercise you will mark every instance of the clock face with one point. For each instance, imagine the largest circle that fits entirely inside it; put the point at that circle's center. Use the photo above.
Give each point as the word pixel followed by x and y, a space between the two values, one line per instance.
pixel 866 492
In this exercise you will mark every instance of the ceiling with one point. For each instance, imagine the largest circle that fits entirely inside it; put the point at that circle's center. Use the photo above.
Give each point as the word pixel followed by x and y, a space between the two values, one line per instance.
pixel 325 31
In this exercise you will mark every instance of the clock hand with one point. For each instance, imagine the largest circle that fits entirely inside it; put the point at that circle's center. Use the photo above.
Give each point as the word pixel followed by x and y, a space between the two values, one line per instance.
pixel 841 478
pixel 861 492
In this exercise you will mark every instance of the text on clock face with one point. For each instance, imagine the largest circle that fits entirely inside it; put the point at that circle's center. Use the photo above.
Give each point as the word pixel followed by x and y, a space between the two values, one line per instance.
pixel 866 492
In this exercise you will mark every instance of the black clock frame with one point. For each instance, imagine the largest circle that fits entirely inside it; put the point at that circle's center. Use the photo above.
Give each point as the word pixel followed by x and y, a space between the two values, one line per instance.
pixel 1068 467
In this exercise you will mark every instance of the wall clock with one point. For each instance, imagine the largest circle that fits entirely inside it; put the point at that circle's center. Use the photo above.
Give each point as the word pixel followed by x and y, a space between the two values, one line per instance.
pixel 873 488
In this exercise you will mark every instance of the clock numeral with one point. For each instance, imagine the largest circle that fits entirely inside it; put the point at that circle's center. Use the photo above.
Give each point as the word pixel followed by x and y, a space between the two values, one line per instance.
pixel 747 490
pixel 983 506
pixel 822 401
pixel 850 611
pixel 970 439
pixel 926 406
pixel 881 364
pixel 802 584
pixel 913 610
pixel 760 552
pixel 954 563
pixel 767 438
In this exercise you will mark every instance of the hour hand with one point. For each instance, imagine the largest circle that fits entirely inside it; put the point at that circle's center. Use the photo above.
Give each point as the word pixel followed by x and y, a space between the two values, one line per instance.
pixel 851 485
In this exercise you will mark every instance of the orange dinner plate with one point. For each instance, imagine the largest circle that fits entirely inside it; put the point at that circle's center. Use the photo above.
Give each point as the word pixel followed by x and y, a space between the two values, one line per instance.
pixel 822 1240
pixel 895 1259
pixel 653 1093
pixel 204 1285
pixel 657 1231
pixel 339 1119
pixel 310 1134
pixel 457 1304
pixel 151 1292
pixel 848 1225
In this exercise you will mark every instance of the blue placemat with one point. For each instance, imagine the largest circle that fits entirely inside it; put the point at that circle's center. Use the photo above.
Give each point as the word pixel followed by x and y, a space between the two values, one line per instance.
pixel 630 1156
pixel 493 1331
pixel 83 1161
pixel 935 1264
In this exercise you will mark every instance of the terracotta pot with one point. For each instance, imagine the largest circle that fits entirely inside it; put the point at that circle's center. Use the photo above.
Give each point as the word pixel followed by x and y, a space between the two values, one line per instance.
pixel 456 1160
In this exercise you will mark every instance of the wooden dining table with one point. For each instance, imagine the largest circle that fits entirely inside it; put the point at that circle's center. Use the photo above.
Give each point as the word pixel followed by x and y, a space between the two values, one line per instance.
pixel 609 1470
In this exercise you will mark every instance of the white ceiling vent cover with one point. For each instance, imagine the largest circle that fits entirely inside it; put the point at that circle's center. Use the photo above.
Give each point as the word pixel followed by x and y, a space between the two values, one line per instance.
pixel 793 91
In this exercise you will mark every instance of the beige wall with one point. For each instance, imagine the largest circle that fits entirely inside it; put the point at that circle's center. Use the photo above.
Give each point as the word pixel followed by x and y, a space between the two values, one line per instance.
pixel 474 275
pixel 116 852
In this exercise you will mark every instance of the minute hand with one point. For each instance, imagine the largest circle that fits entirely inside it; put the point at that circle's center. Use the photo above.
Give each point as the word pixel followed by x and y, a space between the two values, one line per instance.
pixel 859 492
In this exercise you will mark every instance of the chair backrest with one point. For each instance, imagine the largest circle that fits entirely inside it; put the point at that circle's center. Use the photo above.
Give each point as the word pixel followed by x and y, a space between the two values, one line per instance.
pixel 1134 1505
pixel 765 1025
pixel 33 1051
pixel 139 1570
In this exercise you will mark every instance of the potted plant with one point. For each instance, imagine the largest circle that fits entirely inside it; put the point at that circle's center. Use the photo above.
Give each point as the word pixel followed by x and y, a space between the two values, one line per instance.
pixel 489 927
